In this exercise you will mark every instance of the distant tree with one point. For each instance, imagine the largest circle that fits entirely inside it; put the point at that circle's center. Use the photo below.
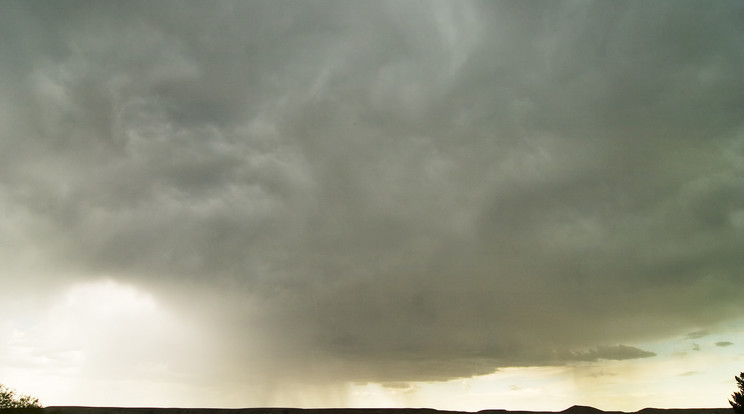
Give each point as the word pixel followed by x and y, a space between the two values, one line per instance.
pixel 10 399
pixel 737 398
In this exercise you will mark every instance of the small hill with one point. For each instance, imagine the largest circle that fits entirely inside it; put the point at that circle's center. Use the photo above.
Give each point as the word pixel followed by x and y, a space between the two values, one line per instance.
pixel 582 409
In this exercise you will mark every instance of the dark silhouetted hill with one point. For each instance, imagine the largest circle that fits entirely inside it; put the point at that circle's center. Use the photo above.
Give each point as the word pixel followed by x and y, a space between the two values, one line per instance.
pixel 576 409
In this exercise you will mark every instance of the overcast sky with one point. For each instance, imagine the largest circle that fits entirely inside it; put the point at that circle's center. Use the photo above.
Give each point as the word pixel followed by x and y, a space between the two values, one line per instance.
pixel 371 202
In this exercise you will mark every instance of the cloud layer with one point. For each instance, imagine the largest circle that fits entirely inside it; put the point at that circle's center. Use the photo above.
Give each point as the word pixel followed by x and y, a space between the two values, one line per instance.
pixel 383 191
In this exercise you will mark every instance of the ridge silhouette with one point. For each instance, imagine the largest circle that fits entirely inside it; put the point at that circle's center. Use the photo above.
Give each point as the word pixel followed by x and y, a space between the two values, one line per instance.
pixel 576 409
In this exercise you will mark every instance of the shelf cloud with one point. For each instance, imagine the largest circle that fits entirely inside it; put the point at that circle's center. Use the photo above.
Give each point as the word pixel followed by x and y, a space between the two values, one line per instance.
pixel 383 191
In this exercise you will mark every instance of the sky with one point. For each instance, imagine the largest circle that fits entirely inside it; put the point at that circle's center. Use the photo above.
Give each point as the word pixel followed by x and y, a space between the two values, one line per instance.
pixel 448 204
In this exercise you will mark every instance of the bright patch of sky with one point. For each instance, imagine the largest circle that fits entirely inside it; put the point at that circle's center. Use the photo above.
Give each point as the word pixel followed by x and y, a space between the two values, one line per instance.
pixel 111 344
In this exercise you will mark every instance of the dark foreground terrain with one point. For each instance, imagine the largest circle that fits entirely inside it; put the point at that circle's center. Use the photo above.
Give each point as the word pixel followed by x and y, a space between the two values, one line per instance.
pixel 573 410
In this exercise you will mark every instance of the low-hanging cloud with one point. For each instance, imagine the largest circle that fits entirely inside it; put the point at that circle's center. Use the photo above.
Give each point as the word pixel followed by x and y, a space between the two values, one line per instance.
pixel 617 353
pixel 384 191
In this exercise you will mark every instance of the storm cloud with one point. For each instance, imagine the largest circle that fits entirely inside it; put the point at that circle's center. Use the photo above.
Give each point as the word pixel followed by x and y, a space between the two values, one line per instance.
pixel 383 191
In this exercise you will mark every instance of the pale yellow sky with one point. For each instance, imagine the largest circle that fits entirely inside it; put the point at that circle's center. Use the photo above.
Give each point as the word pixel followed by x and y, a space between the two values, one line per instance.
pixel 105 343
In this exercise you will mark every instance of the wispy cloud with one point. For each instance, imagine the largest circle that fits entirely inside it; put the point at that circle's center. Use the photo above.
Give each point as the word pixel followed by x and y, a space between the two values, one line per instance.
pixel 697 334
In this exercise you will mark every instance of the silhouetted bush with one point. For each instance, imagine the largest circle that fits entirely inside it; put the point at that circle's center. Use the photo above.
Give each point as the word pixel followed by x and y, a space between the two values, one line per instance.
pixel 9 399
pixel 737 398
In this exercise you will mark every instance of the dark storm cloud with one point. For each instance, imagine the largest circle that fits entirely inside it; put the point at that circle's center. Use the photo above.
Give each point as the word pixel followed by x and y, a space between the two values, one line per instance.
pixel 385 191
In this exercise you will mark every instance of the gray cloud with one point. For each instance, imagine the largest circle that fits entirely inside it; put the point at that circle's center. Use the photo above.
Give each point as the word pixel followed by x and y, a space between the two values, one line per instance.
pixel 724 343
pixel 617 353
pixel 384 191
pixel 697 335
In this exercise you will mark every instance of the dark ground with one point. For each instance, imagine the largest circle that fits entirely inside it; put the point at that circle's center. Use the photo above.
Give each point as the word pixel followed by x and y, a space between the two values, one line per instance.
pixel 572 410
